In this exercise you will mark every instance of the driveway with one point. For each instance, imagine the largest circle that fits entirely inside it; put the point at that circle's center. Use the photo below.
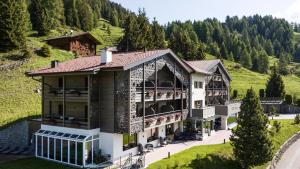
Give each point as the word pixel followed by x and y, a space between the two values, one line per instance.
pixel 162 152
pixel 290 159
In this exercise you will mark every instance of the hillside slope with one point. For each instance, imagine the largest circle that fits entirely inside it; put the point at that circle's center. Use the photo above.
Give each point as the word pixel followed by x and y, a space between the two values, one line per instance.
pixel 18 94
pixel 243 79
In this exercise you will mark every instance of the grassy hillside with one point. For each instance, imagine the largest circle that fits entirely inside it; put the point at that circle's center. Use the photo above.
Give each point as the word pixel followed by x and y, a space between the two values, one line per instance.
pixel 18 98
pixel 243 79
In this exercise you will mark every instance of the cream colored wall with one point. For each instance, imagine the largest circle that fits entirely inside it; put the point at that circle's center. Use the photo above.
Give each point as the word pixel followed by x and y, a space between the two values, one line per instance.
pixel 197 94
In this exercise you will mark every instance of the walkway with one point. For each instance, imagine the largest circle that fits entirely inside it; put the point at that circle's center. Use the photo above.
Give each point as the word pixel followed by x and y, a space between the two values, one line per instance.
pixel 284 116
pixel 290 159
pixel 162 152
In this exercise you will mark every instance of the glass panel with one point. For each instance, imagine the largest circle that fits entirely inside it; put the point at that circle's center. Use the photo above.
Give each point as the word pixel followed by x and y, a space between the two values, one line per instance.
pixel 81 137
pixel 39 145
pixel 79 153
pixel 45 147
pixel 65 151
pixel 72 152
pixel 97 153
pixel 129 141
pixel 88 152
pixel 41 131
pixel 58 149
pixel 51 148
pixel 59 134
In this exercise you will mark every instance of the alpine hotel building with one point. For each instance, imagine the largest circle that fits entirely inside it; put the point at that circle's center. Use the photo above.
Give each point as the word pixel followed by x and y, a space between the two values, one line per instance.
pixel 107 105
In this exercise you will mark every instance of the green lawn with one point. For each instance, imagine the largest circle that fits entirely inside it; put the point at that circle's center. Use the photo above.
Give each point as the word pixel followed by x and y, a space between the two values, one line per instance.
pixel 231 120
pixel 219 156
pixel 17 97
pixel 33 163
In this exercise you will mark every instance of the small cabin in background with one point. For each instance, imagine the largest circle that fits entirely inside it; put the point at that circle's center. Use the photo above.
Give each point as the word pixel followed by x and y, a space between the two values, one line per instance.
pixel 83 44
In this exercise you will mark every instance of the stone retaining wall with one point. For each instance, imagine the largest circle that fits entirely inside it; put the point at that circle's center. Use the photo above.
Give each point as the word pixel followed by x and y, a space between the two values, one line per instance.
pixel 15 135
pixel 282 150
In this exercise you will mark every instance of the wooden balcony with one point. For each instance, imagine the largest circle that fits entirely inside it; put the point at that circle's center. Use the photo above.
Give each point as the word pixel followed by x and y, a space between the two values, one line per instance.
pixel 228 108
pixel 70 94
pixel 203 113
pixel 159 119
pixel 162 94
pixel 71 122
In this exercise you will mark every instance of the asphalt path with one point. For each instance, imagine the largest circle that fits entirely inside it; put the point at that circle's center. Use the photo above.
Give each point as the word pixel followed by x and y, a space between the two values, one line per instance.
pixel 291 158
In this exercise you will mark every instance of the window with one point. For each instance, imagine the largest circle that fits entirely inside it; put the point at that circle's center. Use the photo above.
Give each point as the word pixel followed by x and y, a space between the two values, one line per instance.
pixel 60 82
pixel 198 104
pixel 86 82
pixel 60 109
pixel 50 108
pixel 198 85
pixel 85 112
pixel 153 134
pixel 129 141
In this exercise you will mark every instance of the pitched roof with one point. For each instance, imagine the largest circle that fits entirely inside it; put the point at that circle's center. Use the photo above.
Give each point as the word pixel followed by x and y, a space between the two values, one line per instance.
pixel 121 61
pixel 87 34
pixel 205 66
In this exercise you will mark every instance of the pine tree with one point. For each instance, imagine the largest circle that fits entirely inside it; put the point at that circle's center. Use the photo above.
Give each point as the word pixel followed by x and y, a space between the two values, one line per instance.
pixel 85 15
pixel 283 65
pixel 275 85
pixel 158 34
pixel 14 24
pixel 40 17
pixel 250 141
pixel 245 59
pixel 263 62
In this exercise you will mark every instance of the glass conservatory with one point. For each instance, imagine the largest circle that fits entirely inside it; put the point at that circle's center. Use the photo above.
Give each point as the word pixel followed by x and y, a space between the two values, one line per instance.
pixel 72 149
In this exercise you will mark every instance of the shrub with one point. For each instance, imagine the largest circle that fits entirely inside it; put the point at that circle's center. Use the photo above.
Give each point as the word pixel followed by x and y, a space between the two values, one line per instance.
pixel 298 102
pixel 26 54
pixel 46 51
pixel 297 119
pixel 235 93
pixel 288 99
pixel 277 126
pixel 261 93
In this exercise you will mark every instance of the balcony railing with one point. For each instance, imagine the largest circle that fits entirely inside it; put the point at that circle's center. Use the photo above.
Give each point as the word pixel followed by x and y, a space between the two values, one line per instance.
pixel 164 118
pixel 163 93
pixel 66 122
pixel 69 92
pixel 228 108
pixel 204 112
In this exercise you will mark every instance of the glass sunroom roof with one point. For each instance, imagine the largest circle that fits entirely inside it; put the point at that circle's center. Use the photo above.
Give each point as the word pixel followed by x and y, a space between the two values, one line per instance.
pixel 61 135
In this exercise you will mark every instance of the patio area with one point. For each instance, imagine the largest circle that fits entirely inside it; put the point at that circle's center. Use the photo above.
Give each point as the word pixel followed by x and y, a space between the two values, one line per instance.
pixel 162 152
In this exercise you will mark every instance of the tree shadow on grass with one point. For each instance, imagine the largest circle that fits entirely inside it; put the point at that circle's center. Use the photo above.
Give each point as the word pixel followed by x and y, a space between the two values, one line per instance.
pixel 214 161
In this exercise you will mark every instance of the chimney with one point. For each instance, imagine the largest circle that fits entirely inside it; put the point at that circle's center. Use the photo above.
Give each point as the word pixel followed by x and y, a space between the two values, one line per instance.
pixel 106 56
pixel 54 63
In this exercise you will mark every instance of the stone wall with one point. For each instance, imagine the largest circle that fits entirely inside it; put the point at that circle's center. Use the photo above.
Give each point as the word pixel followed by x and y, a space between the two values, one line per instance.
pixel 15 135
pixel 282 150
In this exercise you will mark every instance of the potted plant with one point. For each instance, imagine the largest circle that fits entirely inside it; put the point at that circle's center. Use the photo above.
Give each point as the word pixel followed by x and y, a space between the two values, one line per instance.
pixel 169 93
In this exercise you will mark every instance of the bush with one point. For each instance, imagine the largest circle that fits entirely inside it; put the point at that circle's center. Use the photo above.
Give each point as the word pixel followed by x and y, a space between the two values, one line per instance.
pixel 46 51
pixel 298 102
pixel 261 93
pixel 235 94
pixel 288 99
pixel 26 54
pixel 297 119
pixel 277 126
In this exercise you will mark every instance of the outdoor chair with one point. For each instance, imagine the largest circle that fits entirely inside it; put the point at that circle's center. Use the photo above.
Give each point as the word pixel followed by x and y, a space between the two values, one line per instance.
pixel 149 147
pixel 141 149
pixel 162 141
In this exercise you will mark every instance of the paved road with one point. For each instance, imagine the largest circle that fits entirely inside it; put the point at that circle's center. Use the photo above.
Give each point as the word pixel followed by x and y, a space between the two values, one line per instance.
pixel 291 158
pixel 284 116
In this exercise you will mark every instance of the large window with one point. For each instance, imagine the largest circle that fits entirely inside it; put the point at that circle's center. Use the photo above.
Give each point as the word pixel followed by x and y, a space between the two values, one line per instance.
pixel 129 141
pixel 198 85
pixel 60 82
pixel 152 134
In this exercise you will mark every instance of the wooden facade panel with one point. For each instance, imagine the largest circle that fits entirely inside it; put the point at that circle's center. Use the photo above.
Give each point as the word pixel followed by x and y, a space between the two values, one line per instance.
pixel 107 101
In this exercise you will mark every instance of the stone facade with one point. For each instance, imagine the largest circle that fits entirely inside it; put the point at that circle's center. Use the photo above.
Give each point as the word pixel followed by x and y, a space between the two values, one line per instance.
pixel 15 135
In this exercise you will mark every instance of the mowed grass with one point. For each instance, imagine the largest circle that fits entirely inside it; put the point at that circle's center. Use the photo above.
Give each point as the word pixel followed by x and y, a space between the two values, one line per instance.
pixel 18 99
pixel 220 155
pixel 33 163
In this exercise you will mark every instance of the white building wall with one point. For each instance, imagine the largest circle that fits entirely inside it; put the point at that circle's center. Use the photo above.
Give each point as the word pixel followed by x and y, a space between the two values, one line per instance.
pixel 197 94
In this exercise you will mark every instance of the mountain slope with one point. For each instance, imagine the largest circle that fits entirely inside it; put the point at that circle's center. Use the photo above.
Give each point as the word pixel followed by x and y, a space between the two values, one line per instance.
pixel 243 79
